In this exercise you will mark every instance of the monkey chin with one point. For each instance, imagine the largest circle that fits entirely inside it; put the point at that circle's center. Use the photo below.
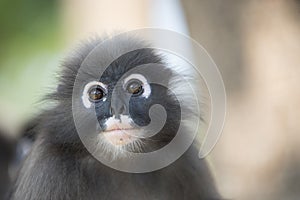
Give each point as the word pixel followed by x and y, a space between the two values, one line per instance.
pixel 121 137
pixel 120 143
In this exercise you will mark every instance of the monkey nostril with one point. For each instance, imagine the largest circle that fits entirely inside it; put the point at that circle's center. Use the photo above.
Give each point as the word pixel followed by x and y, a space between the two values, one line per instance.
pixel 117 110
pixel 111 111
pixel 122 109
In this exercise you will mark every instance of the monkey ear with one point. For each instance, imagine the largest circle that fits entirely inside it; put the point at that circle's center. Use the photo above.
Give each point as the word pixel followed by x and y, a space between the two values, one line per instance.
pixel 62 89
pixel 59 88
pixel 61 92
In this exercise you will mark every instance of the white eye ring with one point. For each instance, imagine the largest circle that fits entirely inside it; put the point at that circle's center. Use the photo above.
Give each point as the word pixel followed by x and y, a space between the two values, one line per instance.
pixel 140 77
pixel 85 96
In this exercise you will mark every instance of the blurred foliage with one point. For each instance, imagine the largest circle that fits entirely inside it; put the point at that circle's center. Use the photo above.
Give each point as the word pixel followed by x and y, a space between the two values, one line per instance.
pixel 30 44
pixel 25 24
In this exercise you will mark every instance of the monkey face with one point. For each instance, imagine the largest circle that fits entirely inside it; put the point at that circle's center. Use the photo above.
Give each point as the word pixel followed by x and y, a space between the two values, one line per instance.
pixel 122 99
pixel 121 107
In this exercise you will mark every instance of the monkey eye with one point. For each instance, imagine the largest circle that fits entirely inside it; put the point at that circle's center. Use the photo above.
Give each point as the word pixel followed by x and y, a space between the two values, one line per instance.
pixel 96 93
pixel 135 87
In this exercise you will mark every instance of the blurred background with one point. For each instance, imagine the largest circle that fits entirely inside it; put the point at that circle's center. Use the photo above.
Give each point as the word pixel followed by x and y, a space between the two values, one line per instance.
pixel 255 44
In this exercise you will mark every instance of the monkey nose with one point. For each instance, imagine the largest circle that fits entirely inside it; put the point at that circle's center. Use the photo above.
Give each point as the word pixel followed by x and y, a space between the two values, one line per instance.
pixel 117 110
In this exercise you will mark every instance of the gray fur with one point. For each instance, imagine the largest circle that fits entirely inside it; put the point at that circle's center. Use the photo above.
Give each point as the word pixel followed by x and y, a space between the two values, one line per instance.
pixel 59 166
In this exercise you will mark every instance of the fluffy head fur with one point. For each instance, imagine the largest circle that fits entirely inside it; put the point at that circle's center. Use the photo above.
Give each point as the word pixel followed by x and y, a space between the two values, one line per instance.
pixel 59 165
pixel 92 63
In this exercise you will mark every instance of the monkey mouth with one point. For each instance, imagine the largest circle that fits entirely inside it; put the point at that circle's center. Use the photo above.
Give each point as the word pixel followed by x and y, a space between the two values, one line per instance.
pixel 121 136
pixel 120 132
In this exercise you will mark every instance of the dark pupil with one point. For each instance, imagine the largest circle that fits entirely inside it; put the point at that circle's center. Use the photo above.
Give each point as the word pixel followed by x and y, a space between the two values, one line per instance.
pixel 96 93
pixel 134 88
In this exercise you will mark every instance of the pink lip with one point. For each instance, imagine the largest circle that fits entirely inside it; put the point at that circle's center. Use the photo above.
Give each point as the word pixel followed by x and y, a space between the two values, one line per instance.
pixel 118 129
